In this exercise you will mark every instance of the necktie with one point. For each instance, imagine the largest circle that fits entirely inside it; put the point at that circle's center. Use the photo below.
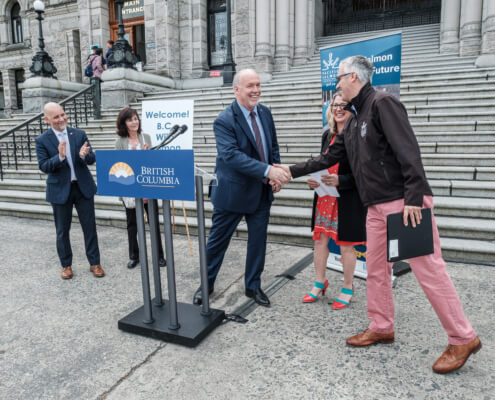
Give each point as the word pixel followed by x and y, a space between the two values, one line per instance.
pixel 64 138
pixel 257 135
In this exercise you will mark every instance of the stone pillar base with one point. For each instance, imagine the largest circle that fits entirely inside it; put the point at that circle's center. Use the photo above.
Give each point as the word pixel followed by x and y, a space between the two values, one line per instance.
pixel 281 64
pixel 485 61
pixel 299 60
pixel 38 91
pixel 122 86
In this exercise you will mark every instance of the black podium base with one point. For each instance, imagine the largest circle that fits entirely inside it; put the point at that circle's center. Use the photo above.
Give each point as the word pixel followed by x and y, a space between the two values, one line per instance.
pixel 194 327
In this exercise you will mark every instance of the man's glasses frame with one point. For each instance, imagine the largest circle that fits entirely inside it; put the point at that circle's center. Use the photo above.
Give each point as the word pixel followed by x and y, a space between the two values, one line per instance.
pixel 339 77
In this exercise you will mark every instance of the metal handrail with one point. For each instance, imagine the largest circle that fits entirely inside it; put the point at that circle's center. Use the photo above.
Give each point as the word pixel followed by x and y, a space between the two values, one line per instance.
pixel 23 133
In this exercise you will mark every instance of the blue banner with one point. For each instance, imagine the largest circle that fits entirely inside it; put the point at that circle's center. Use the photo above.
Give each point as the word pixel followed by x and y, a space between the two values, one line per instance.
pixel 385 54
pixel 146 174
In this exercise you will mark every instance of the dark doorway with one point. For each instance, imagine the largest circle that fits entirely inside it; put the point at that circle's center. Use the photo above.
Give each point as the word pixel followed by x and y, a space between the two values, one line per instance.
pixel 140 43
pixel 19 78
pixel 349 16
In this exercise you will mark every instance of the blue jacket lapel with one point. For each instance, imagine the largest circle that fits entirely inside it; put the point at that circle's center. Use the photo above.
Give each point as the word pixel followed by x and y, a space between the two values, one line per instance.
pixel 52 137
pixel 72 143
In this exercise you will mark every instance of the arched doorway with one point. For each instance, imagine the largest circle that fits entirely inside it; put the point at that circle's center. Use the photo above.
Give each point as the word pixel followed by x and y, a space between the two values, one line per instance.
pixel 133 16
pixel 348 16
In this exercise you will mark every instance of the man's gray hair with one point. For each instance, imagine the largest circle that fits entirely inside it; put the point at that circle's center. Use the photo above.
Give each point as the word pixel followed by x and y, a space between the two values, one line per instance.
pixel 237 77
pixel 361 66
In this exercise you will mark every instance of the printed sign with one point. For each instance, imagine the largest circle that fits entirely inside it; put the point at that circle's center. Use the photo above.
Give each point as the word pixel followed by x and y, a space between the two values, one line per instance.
pixel 148 174
pixel 385 54
pixel 132 9
pixel 383 51
pixel 169 122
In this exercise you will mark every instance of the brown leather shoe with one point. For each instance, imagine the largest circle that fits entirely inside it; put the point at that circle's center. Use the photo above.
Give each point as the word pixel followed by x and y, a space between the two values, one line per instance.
pixel 97 270
pixel 369 337
pixel 454 357
pixel 67 272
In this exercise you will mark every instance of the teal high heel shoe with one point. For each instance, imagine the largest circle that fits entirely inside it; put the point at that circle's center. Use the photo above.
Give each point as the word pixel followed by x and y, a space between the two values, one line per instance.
pixel 340 304
pixel 310 297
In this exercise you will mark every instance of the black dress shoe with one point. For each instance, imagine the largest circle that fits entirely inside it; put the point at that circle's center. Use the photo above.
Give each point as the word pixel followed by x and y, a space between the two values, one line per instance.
pixel 198 296
pixel 162 263
pixel 132 264
pixel 259 297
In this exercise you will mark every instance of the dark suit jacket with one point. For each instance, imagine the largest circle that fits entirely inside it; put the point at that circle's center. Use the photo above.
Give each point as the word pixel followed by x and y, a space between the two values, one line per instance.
pixel 238 167
pixel 58 181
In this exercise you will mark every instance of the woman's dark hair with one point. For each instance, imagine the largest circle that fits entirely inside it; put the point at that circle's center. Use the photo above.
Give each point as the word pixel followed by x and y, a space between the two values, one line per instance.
pixel 99 51
pixel 124 115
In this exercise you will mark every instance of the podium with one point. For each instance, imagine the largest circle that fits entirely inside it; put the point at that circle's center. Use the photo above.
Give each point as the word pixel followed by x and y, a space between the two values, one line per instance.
pixel 166 175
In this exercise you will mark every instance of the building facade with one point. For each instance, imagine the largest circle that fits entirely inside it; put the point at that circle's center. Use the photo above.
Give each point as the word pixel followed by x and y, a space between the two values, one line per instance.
pixel 184 39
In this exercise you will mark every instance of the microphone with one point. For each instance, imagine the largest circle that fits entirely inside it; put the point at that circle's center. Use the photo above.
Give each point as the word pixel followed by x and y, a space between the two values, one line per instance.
pixel 165 141
pixel 181 130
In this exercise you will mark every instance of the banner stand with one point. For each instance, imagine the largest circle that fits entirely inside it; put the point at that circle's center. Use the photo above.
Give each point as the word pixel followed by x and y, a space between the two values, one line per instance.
pixel 168 320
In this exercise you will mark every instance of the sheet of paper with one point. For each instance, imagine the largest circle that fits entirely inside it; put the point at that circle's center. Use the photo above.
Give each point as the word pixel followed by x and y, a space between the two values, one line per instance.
pixel 324 190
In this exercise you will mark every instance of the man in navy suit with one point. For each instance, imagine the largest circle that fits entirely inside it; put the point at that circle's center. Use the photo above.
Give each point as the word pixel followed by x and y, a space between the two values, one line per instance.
pixel 64 154
pixel 247 146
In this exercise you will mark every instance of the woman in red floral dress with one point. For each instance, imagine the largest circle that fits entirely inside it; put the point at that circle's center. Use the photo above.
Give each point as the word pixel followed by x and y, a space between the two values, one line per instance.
pixel 342 219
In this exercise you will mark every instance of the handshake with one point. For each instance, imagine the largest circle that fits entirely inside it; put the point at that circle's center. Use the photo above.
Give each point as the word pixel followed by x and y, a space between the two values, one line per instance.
pixel 278 175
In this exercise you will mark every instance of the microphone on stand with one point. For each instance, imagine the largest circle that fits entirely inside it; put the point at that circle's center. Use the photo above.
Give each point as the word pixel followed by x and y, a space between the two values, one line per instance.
pixel 181 130
pixel 165 141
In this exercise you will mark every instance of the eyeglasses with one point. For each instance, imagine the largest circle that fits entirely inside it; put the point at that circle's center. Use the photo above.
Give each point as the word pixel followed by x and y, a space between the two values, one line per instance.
pixel 339 77
pixel 337 106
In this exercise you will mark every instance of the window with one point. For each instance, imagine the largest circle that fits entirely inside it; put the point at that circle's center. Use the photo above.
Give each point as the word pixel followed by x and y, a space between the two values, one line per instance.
pixel 16 21
pixel 217 35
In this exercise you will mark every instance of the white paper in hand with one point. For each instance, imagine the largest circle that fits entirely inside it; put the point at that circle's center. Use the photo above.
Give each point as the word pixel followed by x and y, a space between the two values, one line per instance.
pixel 324 190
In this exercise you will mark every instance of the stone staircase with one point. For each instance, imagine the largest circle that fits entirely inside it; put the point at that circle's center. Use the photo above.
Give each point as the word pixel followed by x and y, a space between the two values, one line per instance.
pixel 451 105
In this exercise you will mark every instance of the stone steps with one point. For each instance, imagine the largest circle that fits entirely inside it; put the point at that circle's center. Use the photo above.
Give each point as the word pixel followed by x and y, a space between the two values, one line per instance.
pixel 456 141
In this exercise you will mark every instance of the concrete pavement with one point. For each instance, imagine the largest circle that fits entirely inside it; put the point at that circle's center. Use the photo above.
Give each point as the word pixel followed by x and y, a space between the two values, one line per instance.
pixel 59 339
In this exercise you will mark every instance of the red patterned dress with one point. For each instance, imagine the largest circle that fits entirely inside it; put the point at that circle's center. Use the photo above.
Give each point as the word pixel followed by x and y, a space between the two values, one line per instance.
pixel 327 214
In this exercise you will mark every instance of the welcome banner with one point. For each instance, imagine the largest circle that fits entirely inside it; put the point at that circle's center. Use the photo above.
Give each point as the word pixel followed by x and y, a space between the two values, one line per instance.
pixel 385 54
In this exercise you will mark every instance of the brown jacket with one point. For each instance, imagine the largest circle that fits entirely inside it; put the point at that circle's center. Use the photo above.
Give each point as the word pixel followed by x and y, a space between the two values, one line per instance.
pixel 382 151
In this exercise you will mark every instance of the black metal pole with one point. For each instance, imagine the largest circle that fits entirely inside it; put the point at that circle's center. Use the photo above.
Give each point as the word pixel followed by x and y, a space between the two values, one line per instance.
pixel 155 240
pixel 143 259
pixel 169 252
pixel 121 31
pixel 229 67
pixel 203 267
pixel 41 41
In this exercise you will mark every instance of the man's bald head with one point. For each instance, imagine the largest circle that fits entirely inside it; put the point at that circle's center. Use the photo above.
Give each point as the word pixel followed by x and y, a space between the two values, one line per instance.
pixel 243 73
pixel 247 88
pixel 55 116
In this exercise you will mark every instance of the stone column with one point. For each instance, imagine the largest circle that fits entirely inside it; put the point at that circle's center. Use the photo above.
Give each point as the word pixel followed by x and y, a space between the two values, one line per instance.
pixel 74 73
pixel 185 37
pixel 166 16
pixel 4 32
pixel 149 34
pixel 199 38
pixel 470 32
pixel 263 51
pixel 487 58
pixel 9 90
pixel 282 54
pixel 449 26
pixel 301 32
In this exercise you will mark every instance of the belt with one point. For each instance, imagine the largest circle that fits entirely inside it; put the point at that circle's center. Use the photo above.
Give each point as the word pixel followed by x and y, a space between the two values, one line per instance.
pixel 73 182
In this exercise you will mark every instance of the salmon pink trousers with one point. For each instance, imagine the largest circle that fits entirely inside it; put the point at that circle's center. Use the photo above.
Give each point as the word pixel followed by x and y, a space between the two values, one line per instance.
pixel 430 271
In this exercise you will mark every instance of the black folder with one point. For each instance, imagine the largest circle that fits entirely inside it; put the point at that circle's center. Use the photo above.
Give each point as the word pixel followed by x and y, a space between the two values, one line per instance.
pixel 405 242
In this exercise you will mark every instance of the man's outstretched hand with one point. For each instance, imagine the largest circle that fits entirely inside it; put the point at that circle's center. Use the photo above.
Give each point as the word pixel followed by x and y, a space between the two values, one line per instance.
pixel 279 175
